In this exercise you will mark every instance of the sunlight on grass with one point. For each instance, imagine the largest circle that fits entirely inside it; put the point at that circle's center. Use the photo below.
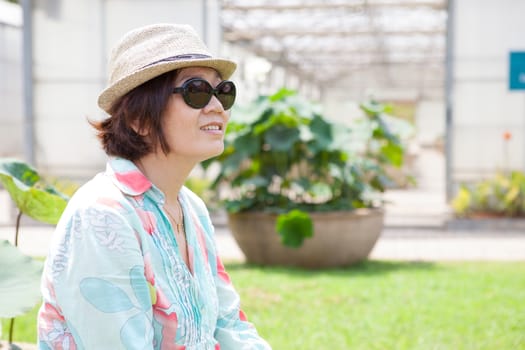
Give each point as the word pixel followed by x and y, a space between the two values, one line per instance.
pixel 381 305
pixel 378 305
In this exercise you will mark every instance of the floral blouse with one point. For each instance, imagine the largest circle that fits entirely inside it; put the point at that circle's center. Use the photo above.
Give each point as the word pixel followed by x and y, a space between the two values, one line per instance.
pixel 114 277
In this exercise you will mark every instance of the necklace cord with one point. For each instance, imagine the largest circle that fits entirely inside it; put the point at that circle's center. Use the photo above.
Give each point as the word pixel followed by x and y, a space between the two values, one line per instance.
pixel 179 225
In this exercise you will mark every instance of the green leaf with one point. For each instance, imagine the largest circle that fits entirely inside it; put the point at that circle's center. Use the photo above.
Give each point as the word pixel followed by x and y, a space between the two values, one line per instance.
pixel 19 170
pixel 33 202
pixel 305 134
pixel 19 281
pixel 256 181
pixel 322 132
pixel 234 206
pixel 302 107
pixel 345 138
pixel 41 202
pixel 232 163
pixel 281 94
pixel 382 131
pixel 393 153
pixel 248 114
pixel 285 118
pixel 247 144
pixel 320 190
pixel 294 227
pixel 281 138
pixel 462 201
pixel 511 196
pixel 372 108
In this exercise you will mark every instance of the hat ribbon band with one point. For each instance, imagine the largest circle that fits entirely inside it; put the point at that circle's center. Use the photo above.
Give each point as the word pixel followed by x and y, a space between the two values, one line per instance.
pixel 179 57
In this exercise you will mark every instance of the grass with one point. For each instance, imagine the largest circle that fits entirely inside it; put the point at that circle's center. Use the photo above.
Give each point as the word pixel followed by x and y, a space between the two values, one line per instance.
pixel 378 305
pixel 388 305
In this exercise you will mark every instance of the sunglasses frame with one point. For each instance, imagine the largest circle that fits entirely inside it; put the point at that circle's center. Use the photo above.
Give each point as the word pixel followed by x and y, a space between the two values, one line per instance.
pixel 183 90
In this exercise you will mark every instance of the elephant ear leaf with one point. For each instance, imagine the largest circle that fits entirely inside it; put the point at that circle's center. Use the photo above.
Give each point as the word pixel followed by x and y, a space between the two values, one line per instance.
pixel 19 283
pixel 40 202
pixel 20 171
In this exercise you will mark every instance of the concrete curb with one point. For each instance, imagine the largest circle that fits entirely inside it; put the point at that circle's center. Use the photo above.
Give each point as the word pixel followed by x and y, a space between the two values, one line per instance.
pixel 486 224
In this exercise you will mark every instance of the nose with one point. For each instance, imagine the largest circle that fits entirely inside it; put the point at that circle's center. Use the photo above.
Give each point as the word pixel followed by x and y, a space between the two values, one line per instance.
pixel 214 105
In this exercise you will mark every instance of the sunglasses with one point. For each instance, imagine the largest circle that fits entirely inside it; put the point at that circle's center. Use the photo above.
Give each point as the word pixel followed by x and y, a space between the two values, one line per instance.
pixel 197 93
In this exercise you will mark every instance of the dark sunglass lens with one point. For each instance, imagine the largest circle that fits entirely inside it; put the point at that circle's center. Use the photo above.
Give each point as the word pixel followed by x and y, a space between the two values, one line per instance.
pixel 198 93
pixel 226 94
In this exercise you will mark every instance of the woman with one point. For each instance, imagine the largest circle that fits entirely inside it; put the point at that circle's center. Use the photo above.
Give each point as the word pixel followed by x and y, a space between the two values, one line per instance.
pixel 133 264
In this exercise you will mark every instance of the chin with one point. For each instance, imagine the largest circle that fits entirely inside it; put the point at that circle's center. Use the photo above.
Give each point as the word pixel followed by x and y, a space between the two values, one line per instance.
pixel 214 153
pixel 218 153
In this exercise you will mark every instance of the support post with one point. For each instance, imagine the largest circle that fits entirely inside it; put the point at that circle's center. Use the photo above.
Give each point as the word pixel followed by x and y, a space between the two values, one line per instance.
pixel 29 122
pixel 449 101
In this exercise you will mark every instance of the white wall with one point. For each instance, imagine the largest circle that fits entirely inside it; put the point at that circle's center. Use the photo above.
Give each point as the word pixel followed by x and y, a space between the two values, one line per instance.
pixel 67 75
pixel 11 88
pixel 72 41
pixel 430 122
pixel 485 31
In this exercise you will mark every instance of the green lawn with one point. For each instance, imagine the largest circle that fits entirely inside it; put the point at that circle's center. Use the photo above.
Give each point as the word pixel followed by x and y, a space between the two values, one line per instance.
pixel 379 305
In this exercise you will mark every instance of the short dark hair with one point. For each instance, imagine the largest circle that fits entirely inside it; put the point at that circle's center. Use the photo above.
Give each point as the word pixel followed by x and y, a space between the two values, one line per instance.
pixel 143 108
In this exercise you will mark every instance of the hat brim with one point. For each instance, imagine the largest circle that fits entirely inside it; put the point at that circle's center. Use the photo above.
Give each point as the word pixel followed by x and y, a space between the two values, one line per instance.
pixel 123 86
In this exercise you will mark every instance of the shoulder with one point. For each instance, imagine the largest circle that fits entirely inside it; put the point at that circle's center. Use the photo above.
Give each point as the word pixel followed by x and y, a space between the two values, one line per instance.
pixel 98 197
pixel 100 191
pixel 94 225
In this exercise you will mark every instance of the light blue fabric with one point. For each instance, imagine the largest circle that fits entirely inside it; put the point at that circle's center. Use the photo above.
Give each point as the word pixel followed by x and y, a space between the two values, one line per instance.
pixel 114 278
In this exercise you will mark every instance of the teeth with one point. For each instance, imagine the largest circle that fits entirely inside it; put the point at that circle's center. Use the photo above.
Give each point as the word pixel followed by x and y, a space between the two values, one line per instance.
pixel 211 127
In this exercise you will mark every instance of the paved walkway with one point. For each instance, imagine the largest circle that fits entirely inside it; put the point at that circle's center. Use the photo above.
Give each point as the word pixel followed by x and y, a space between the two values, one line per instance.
pixel 394 244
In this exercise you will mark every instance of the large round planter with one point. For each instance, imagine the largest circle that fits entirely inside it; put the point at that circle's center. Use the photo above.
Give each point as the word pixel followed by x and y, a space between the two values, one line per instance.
pixel 340 238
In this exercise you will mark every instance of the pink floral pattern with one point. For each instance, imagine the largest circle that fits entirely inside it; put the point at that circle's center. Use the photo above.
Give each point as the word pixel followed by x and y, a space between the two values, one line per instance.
pixel 54 329
pixel 134 180
pixel 148 220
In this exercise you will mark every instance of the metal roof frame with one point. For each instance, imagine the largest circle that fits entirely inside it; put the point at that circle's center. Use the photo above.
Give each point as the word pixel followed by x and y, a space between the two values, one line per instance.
pixel 319 40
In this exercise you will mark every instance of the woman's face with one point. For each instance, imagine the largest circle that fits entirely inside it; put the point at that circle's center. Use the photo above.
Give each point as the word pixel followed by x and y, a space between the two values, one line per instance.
pixel 195 134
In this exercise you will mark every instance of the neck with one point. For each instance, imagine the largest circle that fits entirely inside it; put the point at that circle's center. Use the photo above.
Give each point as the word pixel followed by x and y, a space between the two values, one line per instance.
pixel 167 172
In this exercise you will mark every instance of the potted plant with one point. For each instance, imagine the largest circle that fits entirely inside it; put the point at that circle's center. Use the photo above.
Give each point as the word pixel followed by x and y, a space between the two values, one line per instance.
pixel 302 190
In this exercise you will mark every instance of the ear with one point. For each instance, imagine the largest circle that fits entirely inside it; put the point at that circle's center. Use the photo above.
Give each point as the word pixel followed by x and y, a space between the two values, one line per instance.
pixel 136 127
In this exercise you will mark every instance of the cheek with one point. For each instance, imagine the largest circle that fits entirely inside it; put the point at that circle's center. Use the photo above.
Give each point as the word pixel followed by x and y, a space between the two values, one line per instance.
pixel 178 132
pixel 176 117
pixel 181 128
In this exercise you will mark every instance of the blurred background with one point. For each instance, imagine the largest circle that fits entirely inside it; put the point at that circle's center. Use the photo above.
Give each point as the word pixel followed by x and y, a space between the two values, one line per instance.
pixel 452 69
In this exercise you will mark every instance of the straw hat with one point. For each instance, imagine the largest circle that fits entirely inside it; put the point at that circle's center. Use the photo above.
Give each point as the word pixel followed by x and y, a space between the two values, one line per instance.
pixel 150 51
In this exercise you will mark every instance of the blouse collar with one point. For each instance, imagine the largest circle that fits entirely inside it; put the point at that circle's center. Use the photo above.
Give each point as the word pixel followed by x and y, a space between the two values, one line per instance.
pixel 130 180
